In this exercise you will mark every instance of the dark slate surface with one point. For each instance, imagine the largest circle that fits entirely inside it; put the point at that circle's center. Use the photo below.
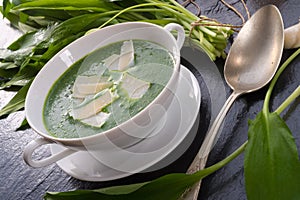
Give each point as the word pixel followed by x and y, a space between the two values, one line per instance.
pixel 19 181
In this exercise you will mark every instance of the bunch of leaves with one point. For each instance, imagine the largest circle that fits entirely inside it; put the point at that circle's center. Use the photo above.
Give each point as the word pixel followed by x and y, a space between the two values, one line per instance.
pixel 271 163
pixel 50 25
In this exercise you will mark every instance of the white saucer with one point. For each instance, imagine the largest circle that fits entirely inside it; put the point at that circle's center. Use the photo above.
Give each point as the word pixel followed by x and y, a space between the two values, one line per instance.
pixel 150 154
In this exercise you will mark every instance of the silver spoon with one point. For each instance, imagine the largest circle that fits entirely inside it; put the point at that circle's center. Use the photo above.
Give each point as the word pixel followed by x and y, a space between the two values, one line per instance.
pixel 251 63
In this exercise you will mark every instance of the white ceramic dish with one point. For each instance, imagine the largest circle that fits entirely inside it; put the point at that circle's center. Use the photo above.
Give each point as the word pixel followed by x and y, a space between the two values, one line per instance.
pixel 125 134
pixel 119 163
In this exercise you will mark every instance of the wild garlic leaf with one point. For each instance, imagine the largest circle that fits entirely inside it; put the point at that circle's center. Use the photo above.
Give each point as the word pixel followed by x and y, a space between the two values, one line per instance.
pixel 25 74
pixel 272 166
pixel 64 5
pixel 6 7
pixel 7 74
pixel 32 39
pixel 169 187
pixel 17 57
pixel 103 193
pixel 24 47
pixel 7 65
pixel 17 102
pixel 17 80
pixel 24 125
pixel 68 31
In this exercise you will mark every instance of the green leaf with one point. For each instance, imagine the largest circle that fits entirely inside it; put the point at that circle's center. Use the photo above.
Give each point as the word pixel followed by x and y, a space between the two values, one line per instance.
pixel 23 17
pixel 65 5
pixel 55 47
pixel 78 24
pixel 124 189
pixel 7 65
pixel 31 39
pixel 17 80
pixel 6 7
pixel 25 41
pixel 24 125
pixel 24 47
pixel 17 57
pixel 13 18
pixel 169 187
pixel 70 30
pixel 272 167
pixel 17 102
pixel 25 74
pixel 7 74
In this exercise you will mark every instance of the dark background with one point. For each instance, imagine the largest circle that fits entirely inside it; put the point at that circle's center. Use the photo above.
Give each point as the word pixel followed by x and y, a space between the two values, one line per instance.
pixel 19 181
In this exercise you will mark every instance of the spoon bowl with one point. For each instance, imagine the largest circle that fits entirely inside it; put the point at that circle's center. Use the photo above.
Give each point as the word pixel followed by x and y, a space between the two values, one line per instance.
pixel 255 54
pixel 251 63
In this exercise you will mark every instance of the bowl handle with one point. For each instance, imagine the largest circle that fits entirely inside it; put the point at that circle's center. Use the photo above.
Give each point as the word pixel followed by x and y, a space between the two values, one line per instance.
pixel 34 144
pixel 180 33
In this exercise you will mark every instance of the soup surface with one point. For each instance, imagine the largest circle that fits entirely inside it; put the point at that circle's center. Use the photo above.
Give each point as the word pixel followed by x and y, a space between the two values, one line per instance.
pixel 106 87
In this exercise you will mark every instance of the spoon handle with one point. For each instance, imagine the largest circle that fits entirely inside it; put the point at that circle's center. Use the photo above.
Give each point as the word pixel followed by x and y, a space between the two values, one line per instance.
pixel 211 137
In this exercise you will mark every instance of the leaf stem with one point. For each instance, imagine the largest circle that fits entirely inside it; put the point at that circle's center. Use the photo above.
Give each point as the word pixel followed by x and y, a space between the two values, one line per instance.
pixel 289 100
pixel 225 161
pixel 274 80
pixel 137 6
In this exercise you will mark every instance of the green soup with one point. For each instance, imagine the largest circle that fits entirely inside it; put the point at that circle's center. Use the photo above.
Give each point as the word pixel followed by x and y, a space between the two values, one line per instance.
pixel 106 87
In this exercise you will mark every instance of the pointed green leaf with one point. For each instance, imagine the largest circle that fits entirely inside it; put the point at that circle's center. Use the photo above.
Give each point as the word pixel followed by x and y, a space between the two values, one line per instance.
pixel 24 125
pixel 17 102
pixel 26 73
pixel 124 189
pixel 272 167
pixel 33 38
pixel 7 74
pixel 13 18
pixel 66 5
pixel 7 65
pixel 6 7
pixel 169 187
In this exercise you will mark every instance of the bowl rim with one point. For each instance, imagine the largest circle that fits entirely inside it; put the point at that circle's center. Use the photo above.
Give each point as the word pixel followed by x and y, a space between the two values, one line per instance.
pixel 84 140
